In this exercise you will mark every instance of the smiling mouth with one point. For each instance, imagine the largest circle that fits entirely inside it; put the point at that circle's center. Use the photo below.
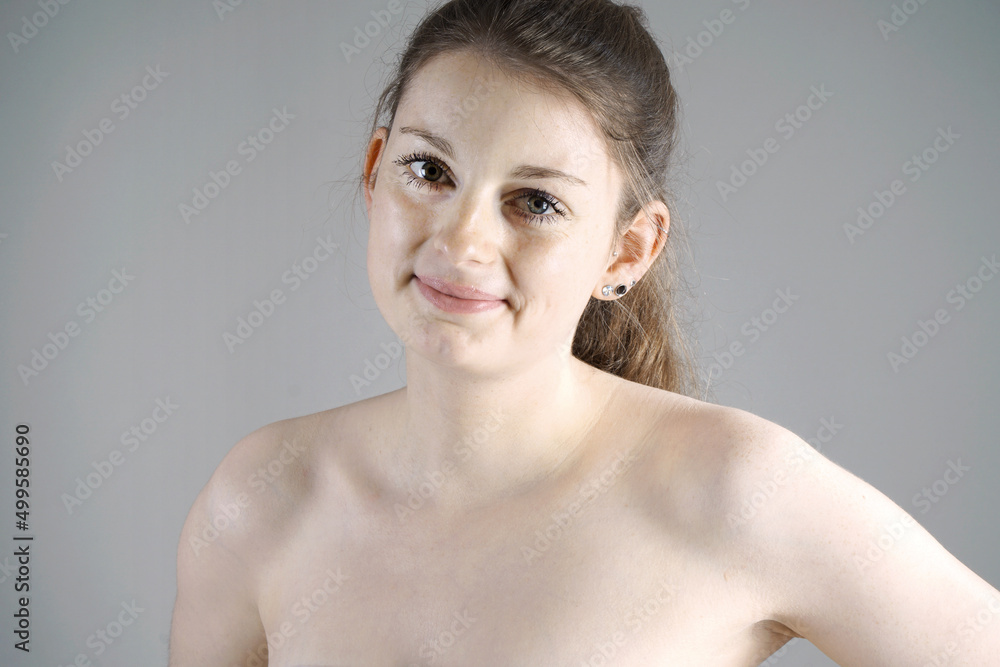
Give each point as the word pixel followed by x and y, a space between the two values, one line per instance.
pixel 474 303
pixel 457 291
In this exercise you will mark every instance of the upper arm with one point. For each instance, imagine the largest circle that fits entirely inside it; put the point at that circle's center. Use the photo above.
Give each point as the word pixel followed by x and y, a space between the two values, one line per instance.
pixel 215 620
pixel 847 568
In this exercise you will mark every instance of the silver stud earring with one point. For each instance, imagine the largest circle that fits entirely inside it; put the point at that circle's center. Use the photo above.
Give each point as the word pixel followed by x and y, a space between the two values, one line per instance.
pixel 620 290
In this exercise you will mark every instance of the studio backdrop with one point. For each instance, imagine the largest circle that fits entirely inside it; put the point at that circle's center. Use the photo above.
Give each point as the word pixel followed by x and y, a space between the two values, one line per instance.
pixel 182 260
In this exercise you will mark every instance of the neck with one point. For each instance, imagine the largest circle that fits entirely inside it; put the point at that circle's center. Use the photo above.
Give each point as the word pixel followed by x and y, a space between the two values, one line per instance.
pixel 474 438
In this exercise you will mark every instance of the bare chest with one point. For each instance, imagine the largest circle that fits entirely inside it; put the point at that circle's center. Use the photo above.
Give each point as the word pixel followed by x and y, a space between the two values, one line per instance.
pixel 582 581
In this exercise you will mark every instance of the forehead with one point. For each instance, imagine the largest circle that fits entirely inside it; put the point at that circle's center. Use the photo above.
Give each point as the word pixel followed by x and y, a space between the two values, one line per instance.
pixel 479 107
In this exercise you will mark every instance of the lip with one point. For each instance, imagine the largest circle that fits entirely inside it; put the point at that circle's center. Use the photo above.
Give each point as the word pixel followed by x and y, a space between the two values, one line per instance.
pixel 456 298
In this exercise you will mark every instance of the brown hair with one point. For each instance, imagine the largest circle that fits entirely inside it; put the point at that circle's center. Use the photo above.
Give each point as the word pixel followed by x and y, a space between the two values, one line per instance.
pixel 603 54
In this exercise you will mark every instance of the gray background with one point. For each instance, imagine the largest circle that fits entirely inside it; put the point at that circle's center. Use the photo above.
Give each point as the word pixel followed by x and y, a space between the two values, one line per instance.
pixel 825 358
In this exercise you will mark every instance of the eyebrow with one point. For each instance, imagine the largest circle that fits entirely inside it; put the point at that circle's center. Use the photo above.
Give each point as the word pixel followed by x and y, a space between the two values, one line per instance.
pixel 522 171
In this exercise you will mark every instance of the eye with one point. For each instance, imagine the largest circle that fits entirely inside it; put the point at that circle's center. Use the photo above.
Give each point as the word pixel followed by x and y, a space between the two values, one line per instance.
pixel 535 202
pixel 422 170
pixel 542 208
pixel 425 171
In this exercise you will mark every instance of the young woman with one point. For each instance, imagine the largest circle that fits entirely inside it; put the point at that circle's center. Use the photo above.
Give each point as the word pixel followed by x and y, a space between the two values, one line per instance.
pixel 547 489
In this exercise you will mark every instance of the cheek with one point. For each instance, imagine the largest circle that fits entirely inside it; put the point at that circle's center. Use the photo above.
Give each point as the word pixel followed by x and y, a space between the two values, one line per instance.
pixel 390 225
pixel 559 281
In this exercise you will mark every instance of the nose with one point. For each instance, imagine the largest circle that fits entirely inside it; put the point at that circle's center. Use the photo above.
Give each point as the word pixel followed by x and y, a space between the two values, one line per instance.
pixel 469 229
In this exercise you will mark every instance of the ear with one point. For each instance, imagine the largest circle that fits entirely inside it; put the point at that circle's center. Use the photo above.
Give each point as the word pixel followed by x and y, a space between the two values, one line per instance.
pixel 373 158
pixel 638 248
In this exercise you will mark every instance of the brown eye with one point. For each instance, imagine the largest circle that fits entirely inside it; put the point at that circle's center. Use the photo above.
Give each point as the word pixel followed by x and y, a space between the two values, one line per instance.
pixel 427 170
pixel 424 171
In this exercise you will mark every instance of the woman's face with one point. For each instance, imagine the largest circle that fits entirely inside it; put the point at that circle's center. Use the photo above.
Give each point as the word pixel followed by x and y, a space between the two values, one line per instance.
pixel 490 184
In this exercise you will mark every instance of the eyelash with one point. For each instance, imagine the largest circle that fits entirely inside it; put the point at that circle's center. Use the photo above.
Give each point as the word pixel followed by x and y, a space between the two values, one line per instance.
pixel 531 218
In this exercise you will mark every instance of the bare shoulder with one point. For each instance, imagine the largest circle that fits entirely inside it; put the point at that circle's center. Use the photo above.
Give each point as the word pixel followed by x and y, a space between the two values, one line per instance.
pixel 722 454
pixel 700 457
pixel 744 477
pixel 263 485
pixel 257 480
pixel 734 483
pixel 834 559
pixel 229 530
